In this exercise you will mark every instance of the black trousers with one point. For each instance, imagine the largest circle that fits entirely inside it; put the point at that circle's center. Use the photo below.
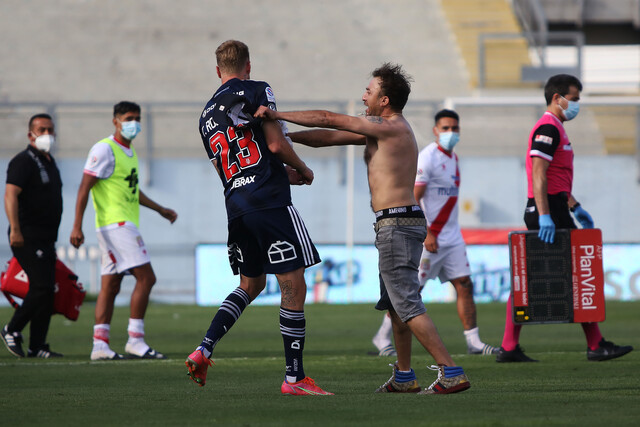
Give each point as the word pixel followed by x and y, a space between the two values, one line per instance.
pixel 558 208
pixel 38 260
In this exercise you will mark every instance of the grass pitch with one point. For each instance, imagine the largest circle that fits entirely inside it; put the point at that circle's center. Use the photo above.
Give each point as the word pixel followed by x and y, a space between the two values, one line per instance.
pixel 243 387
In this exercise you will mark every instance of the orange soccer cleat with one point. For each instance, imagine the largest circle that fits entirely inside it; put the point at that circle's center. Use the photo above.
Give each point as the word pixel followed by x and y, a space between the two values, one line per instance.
pixel 305 387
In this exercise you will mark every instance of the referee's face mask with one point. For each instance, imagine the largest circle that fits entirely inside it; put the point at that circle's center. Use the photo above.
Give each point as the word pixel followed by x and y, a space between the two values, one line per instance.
pixel 572 110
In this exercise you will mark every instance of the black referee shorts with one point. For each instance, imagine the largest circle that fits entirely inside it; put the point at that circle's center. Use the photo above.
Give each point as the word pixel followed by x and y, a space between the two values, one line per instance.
pixel 558 208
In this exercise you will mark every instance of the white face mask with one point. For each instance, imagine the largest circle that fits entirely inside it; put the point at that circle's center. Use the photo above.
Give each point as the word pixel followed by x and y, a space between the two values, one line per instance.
pixel 44 142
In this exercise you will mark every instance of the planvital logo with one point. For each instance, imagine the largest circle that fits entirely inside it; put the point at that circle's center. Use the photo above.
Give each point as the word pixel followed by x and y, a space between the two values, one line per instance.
pixel 587 287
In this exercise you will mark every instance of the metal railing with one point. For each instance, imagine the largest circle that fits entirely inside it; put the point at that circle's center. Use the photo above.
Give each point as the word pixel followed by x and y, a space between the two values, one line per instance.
pixel 535 73
pixel 534 24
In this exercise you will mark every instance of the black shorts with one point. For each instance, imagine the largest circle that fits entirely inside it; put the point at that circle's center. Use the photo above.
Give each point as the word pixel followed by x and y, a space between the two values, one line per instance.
pixel 270 241
pixel 558 208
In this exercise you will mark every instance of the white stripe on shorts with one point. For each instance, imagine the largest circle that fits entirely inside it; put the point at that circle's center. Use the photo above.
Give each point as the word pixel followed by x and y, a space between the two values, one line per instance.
pixel 303 235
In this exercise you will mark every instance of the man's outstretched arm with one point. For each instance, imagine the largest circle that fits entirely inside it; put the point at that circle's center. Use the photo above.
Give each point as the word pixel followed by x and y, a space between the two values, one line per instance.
pixel 372 126
pixel 327 138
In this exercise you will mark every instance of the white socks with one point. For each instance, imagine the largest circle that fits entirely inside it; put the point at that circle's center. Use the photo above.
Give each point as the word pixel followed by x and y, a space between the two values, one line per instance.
pixel 473 339
pixel 136 344
pixel 101 334
pixel 136 328
pixel 382 338
pixel 101 350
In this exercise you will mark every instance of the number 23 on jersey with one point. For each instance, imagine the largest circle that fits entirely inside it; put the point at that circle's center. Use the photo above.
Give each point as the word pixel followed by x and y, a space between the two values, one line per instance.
pixel 236 149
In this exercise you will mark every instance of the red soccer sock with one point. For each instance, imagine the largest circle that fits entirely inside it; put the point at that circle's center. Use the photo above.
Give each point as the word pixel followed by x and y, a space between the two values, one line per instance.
pixel 511 330
pixel 592 333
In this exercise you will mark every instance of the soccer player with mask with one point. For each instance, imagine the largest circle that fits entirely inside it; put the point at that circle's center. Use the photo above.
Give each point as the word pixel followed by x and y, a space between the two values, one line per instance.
pixel 111 175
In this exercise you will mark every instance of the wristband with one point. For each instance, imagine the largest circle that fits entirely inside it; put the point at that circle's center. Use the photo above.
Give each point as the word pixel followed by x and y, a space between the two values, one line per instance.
pixel 574 207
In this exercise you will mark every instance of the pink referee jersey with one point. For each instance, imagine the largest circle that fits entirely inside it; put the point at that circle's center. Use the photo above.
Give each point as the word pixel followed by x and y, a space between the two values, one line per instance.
pixel 548 140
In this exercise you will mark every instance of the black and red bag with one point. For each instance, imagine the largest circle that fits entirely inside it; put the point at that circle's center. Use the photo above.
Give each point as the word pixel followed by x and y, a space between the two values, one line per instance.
pixel 69 294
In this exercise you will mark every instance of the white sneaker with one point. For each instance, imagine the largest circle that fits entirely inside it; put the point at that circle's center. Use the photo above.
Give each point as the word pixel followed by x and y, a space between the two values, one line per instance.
pixel 103 352
pixel 388 351
pixel 485 349
pixel 136 347
pixel 384 346
pixel 141 350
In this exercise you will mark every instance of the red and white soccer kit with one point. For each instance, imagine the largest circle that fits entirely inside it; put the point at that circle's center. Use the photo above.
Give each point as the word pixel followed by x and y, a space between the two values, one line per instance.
pixel 438 171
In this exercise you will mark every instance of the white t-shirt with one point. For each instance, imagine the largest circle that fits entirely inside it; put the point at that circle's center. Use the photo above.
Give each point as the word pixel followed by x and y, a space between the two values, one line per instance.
pixel 101 162
pixel 439 172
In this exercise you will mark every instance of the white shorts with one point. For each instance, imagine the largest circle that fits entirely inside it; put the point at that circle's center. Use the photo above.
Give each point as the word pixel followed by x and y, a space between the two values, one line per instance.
pixel 122 248
pixel 447 264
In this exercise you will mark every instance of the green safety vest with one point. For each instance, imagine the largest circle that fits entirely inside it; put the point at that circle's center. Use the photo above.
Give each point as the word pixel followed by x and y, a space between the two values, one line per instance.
pixel 117 198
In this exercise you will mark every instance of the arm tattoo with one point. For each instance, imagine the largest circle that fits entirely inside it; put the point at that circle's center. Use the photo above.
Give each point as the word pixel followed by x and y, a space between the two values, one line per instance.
pixel 374 119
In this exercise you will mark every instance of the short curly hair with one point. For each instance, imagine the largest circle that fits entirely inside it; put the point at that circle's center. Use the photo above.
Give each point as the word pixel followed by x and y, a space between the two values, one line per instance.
pixel 395 84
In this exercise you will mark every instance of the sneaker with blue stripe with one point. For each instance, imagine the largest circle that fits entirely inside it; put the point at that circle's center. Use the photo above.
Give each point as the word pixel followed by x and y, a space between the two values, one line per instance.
pixel 451 379
pixel 396 385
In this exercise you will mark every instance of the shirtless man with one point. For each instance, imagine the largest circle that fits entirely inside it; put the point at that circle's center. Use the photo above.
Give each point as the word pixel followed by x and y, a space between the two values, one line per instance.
pixel 391 155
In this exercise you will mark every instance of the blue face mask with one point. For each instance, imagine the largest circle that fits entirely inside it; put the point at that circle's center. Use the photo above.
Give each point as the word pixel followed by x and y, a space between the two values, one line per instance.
pixel 130 129
pixel 572 109
pixel 448 140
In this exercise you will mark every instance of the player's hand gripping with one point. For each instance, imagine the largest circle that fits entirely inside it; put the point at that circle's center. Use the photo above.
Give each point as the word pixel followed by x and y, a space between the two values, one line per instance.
pixel 583 217
pixel 265 113
pixel 294 177
pixel 547 228
pixel 306 176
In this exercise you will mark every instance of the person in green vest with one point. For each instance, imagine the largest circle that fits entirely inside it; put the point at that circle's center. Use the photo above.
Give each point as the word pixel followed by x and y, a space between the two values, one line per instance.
pixel 111 175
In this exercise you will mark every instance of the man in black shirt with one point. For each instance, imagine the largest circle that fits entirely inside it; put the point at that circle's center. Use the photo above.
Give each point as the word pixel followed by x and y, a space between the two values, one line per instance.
pixel 33 203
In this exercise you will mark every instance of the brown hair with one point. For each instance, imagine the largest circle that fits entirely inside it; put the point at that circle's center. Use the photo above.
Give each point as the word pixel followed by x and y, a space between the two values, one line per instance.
pixel 395 84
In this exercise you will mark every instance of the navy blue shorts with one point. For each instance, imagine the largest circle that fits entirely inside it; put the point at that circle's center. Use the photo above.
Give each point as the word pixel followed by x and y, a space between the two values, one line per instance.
pixel 270 241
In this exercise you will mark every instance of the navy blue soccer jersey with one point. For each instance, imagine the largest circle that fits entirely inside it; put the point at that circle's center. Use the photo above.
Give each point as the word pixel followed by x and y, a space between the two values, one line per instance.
pixel 252 176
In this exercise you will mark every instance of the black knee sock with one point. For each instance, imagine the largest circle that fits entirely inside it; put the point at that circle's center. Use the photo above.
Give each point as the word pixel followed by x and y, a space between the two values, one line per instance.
pixel 229 312
pixel 292 327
